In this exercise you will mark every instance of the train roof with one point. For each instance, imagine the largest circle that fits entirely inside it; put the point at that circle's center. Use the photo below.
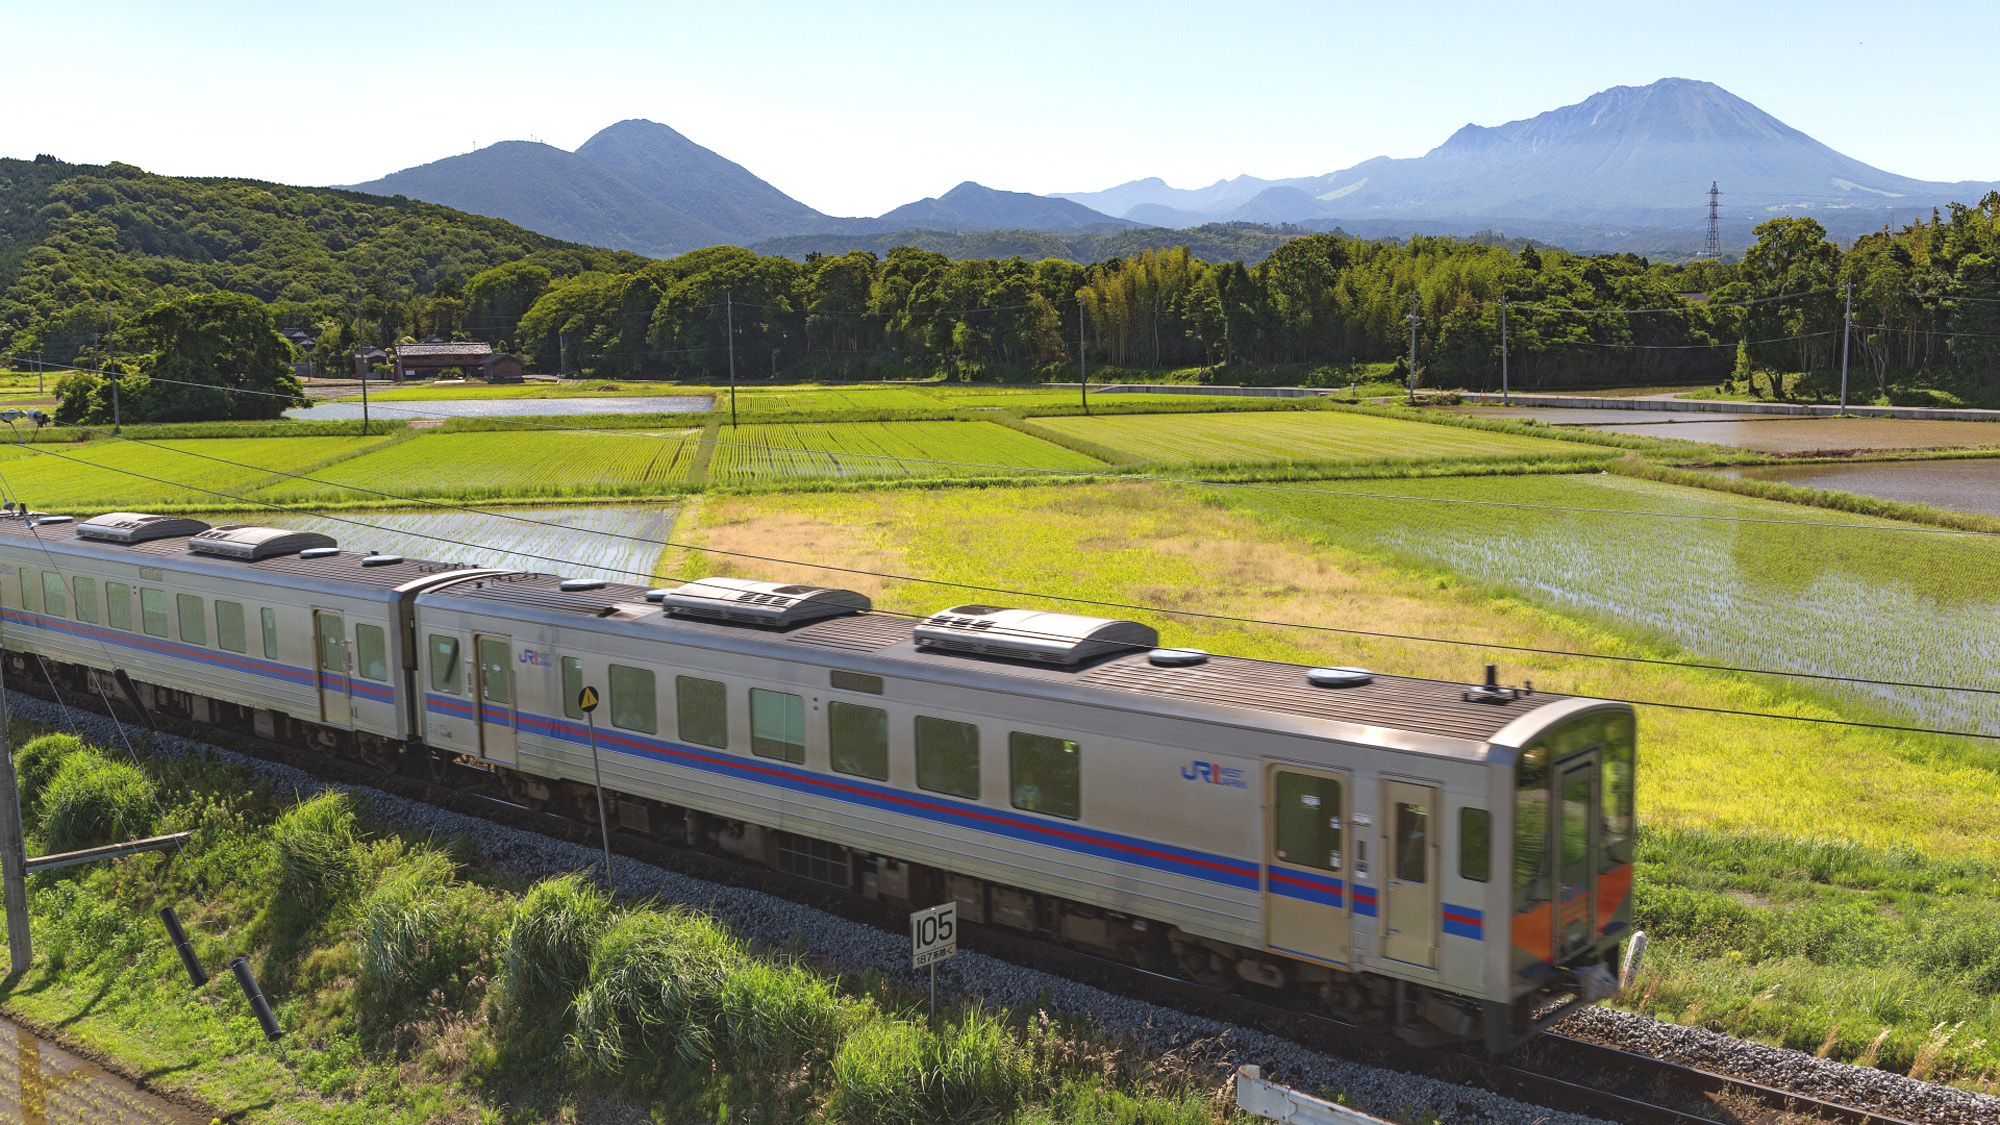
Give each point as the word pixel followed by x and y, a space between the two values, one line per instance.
pixel 339 567
pixel 1437 708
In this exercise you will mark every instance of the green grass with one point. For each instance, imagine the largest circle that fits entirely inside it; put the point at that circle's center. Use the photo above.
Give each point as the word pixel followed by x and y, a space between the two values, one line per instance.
pixel 1307 436
pixel 521 464
pixel 809 451
pixel 417 988
pixel 108 474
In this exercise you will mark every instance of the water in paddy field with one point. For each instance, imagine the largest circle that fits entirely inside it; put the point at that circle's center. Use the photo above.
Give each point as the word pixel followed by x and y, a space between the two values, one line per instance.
pixel 568 541
pixel 43 1085
pixel 1966 486
pixel 1837 599
pixel 1808 435
pixel 401 410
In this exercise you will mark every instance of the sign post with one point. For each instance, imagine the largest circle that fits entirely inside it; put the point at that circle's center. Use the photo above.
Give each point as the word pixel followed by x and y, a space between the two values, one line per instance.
pixel 933 937
pixel 586 702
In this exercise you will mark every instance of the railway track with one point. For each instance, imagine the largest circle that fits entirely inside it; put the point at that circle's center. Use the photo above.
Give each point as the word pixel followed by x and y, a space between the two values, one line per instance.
pixel 1556 1071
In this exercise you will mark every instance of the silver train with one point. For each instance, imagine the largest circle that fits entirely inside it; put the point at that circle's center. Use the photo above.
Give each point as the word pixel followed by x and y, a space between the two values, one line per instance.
pixel 1448 862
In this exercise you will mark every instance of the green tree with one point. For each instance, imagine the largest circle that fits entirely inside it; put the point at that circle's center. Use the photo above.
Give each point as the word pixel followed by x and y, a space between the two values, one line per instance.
pixel 206 357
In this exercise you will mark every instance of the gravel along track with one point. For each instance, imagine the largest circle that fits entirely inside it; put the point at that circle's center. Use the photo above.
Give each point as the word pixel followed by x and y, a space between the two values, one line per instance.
pixel 1785 1069
pixel 850 947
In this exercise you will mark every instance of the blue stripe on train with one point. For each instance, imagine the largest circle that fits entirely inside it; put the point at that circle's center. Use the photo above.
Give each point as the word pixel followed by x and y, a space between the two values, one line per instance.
pixel 157 647
pixel 1465 922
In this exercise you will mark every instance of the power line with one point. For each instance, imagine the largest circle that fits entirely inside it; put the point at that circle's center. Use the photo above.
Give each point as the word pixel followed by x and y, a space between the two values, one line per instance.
pixel 1020 593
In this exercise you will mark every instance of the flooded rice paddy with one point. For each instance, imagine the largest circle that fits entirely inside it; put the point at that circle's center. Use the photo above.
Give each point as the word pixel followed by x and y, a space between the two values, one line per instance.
pixel 405 409
pixel 1808 435
pixel 1970 485
pixel 570 541
pixel 1809 591
pixel 40 1084
pixel 1583 416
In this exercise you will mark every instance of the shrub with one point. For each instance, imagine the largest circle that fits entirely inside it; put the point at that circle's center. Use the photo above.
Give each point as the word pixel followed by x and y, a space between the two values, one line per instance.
pixel 318 858
pixel 891 1072
pixel 549 940
pixel 93 801
pixel 422 933
pixel 35 764
pixel 654 980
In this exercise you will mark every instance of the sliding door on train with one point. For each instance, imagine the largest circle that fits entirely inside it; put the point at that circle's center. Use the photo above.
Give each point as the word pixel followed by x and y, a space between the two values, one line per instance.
pixel 1307 907
pixel 494 696
pixel 1411 913
pixel 336 688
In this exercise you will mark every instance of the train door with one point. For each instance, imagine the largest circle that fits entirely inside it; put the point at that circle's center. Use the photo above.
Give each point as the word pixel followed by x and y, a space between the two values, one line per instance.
pixel 1306 907
pixel 1577 843
pixel 1410 904
pixel 336 689
pixel 494 696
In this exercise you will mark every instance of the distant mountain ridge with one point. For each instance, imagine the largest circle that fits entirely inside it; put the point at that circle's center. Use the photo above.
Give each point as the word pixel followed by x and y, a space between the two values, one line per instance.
pixel 1629 156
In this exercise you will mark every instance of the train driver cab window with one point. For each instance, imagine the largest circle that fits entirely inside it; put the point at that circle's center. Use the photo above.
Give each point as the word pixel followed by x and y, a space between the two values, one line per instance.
pixel 858 740
pixel 86 598
pixel 118 605
pixel 55 600
pixel 1475 845
pixel 632 703
pixel 194 624
pixel 447 674
pixel 229 626
pixel 1616 827
pixel 1531 826
pixel 572 686
pixel 704 711
pixel 1307 822
pixel 948 757
pixel 778 726
pixel 269 619
pixel 371 652
pixel 1044 775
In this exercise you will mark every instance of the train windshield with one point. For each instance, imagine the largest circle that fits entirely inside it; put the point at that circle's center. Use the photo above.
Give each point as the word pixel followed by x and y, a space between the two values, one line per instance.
pixel 1573 823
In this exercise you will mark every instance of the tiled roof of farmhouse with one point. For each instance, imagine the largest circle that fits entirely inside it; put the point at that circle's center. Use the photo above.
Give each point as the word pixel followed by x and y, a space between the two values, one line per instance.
pixel 408 351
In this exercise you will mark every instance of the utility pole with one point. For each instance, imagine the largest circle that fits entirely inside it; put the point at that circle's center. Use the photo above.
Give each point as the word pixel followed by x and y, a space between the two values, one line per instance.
pixel 111 342
pixel 13 856
pixel 1082 365
pixel 1414 320
pixel 1503 352
pixel 1846 335
pixel 729 321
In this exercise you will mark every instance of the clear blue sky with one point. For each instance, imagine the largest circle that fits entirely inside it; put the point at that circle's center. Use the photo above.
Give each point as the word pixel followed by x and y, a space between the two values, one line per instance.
pixel 856 108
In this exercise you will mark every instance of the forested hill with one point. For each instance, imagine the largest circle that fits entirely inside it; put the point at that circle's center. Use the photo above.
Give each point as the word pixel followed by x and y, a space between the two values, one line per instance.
pixel 80 242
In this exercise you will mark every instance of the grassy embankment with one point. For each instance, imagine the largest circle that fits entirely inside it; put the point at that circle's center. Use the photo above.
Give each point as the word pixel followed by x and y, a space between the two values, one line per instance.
pixel 1906 822
pixel 417 987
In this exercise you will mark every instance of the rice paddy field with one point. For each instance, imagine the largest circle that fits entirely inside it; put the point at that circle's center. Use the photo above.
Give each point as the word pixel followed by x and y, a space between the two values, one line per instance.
pixel 525 464
pixel 1307 436
pixel 111 474
pixel 615 542
pixel 757 454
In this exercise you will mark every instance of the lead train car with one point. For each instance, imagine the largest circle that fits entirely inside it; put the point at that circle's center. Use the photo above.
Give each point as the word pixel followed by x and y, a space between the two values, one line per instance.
pixel 1440 860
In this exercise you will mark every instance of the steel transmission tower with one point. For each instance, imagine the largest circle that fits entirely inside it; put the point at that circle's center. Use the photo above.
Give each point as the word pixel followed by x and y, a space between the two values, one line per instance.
pixel 1713 247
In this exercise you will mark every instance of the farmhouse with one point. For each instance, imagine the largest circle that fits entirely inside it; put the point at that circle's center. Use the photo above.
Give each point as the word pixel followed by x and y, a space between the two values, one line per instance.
pixel 427 361
pixel 367 357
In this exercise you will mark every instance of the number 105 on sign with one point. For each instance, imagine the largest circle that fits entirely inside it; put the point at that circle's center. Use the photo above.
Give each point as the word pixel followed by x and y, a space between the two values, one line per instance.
pixel 933 935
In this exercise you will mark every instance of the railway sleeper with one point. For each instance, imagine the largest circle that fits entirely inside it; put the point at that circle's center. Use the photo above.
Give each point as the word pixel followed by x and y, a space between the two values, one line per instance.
pixel 1411 1011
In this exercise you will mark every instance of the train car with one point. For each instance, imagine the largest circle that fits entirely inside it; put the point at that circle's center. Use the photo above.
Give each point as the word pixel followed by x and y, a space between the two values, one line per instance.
pixel 275 632
pixel 1446 860
pixel 1441 860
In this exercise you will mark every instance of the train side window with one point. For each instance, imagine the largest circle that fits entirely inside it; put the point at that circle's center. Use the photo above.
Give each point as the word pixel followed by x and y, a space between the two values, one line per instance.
pixel 948 757
pixel 194 624
pixel 858 740
pixel 28 590
pixel 229 626
pixel 86 598
pixel 1045 775
pixel 447 674
pixel 572 686
pixel 371 652
pixel 704 711
pixel 778 726
pixel 1475 845
pixel 118 605
pixel 268 618
pixel 153 611
pixel 632 703
pixel 1531 827
pixel 1307 820
pixel 1617 796
pixel 55 599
